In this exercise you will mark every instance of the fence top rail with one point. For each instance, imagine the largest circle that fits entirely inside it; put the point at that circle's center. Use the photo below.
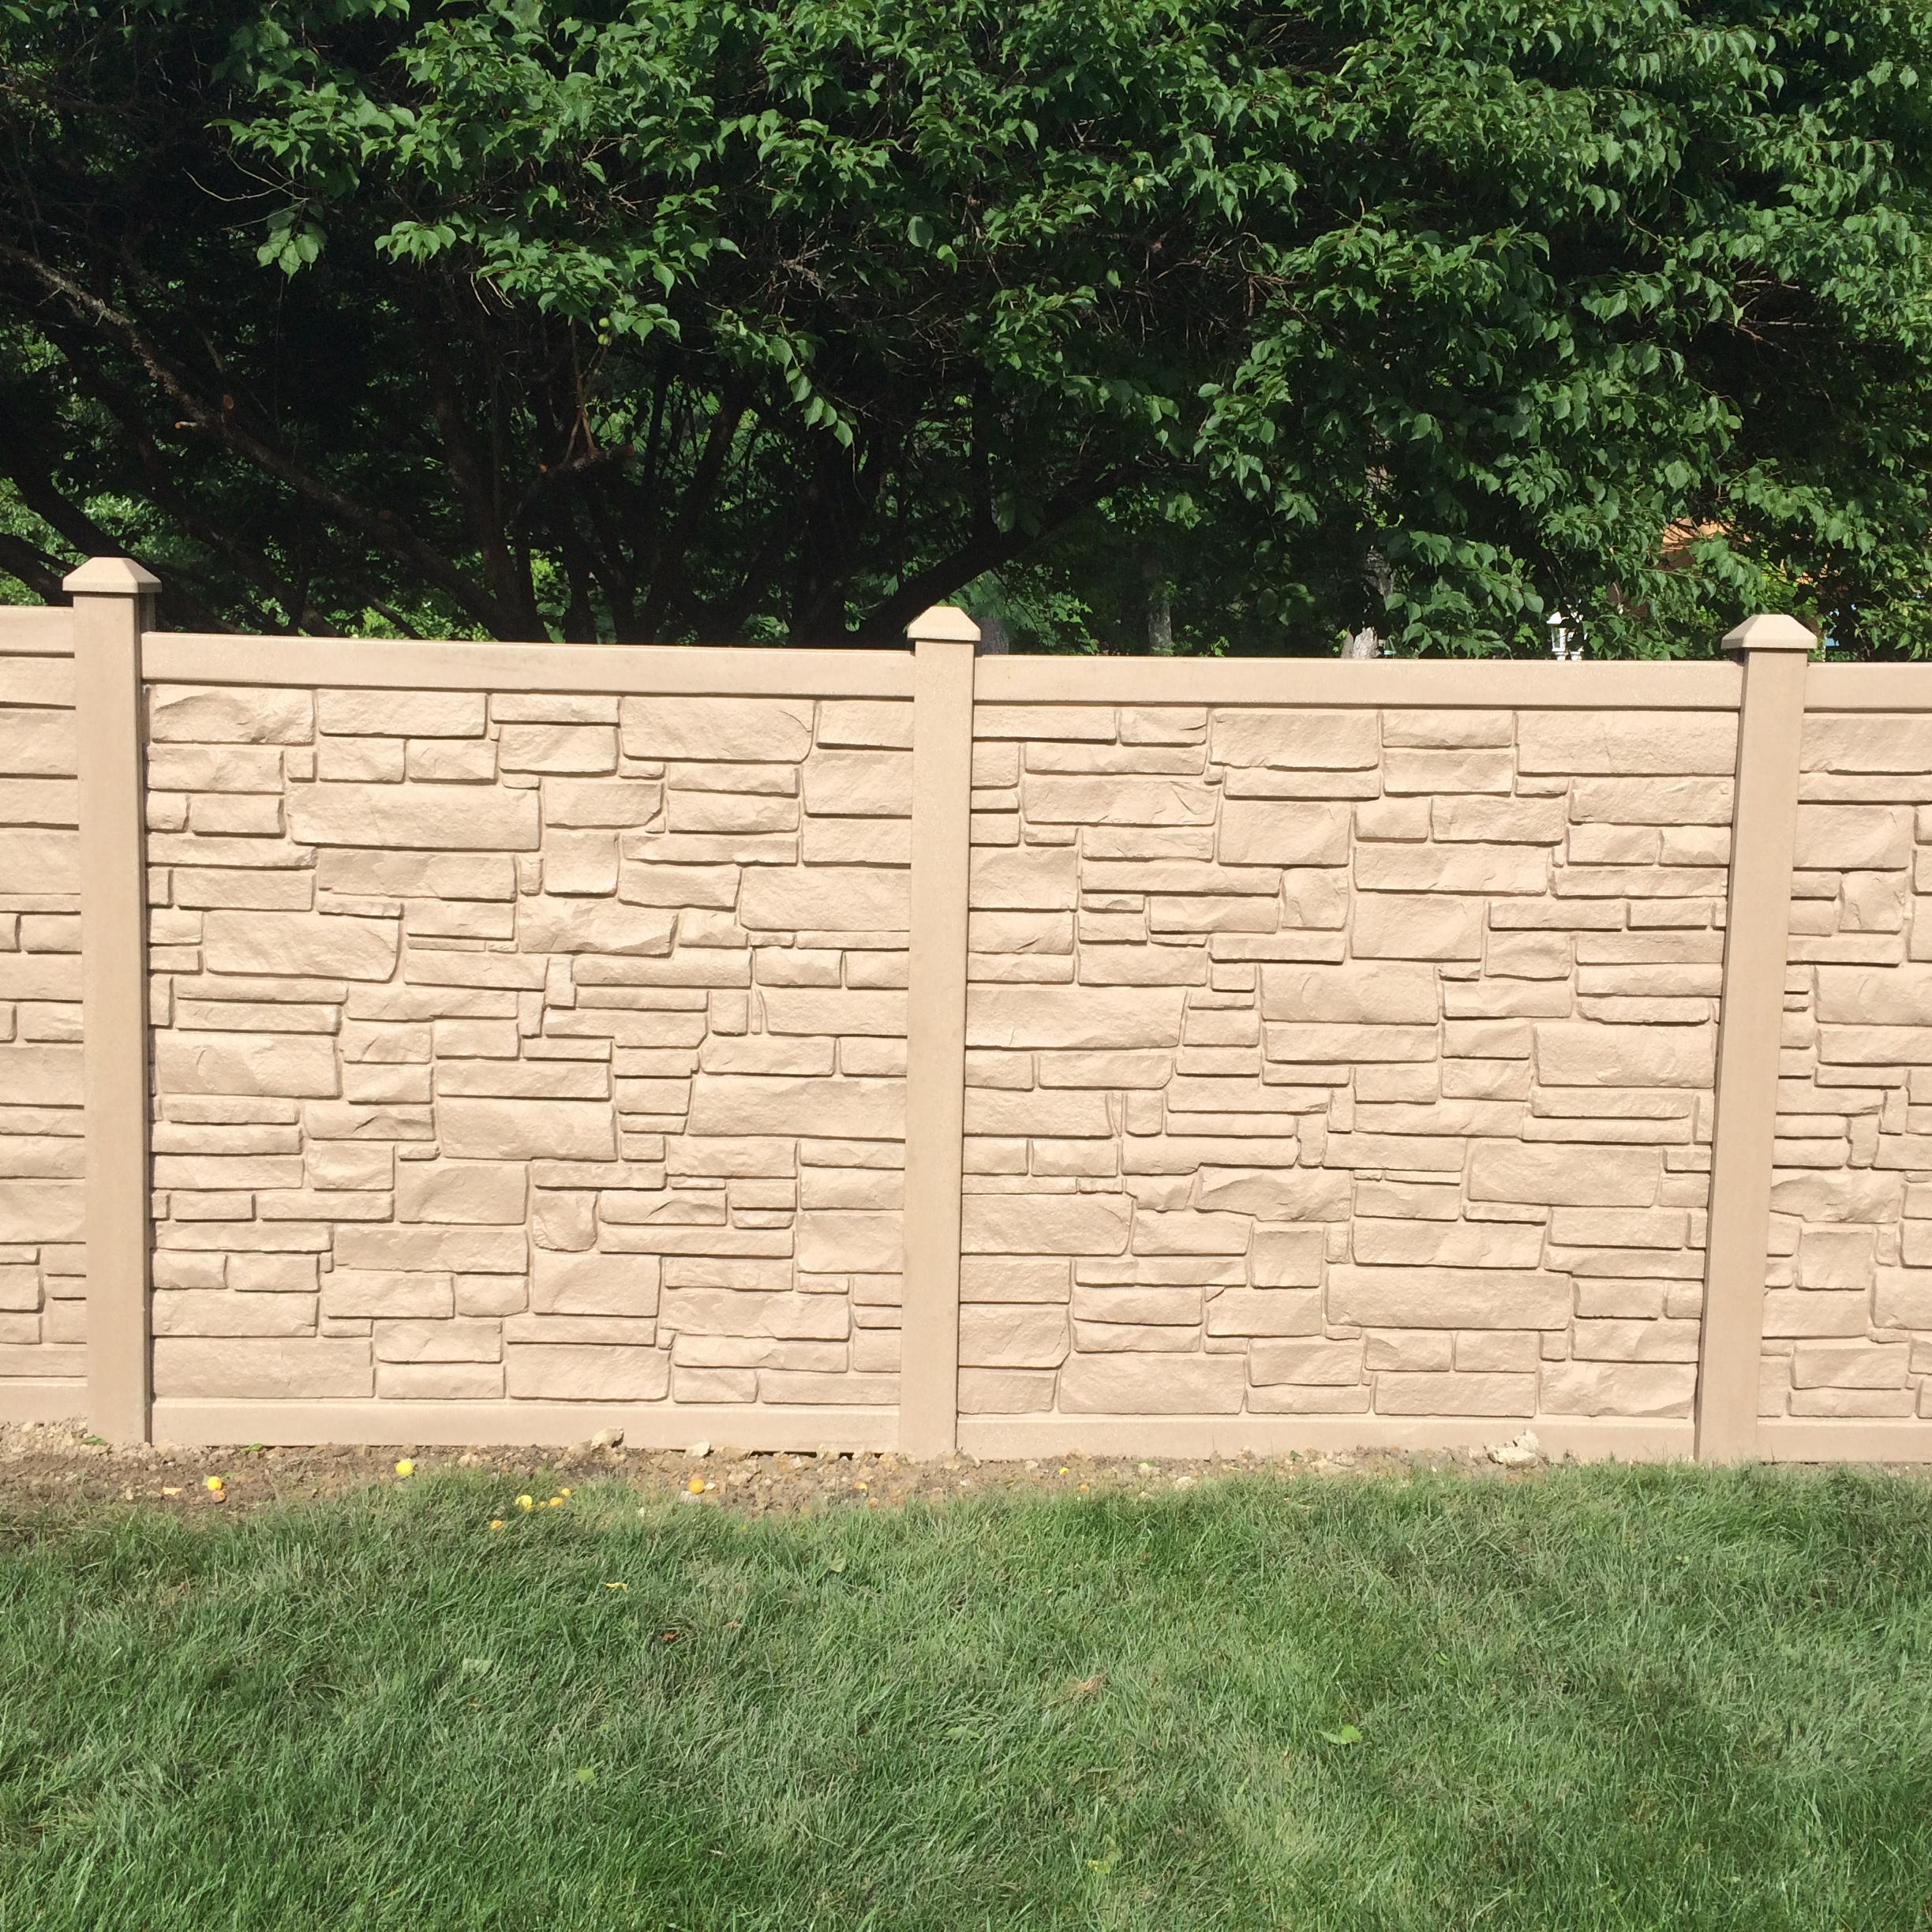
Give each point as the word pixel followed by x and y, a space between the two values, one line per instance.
pixel 197 658
pixel 660 670
pixel 1868 687
pixel 35 630
pixel 1476 685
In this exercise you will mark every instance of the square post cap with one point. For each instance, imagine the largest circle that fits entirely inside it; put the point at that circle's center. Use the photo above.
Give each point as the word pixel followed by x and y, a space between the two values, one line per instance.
pixel 1769 632
pixel 110 577
pixel 943 623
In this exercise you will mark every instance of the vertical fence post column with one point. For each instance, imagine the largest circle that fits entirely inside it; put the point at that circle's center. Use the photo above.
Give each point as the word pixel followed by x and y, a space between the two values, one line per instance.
pixel 1757 939
pixel 942 701
pixel 113 603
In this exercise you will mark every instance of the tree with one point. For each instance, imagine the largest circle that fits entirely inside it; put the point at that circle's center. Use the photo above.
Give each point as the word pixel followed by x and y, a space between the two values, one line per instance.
pixel 709 320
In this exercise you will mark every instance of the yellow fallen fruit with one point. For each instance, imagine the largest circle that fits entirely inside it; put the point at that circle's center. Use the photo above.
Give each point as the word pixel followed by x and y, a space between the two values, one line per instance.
pixel 696 1486
pixel 406 1467
pixel 524 1502
pixel 212 1482
pixel 562 1493
pixel 495 1523
pixel 556 1502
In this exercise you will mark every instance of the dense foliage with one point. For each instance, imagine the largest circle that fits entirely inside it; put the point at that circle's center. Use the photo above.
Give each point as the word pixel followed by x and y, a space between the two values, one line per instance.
pixel 756 318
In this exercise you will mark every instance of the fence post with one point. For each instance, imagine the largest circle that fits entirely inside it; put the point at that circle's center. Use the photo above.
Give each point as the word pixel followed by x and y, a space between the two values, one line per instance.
pixel 942 703
pixel 113 603
pixel 1757 941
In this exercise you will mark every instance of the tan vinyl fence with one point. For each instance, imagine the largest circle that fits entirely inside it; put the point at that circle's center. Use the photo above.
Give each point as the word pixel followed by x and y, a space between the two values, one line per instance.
pixel 499 1042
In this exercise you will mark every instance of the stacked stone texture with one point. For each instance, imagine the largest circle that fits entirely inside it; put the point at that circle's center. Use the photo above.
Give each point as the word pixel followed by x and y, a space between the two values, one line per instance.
pixel 527 1046
pixel 42 1261
pixel 1340 1063
pixel 516 1047
pixel 1848 1303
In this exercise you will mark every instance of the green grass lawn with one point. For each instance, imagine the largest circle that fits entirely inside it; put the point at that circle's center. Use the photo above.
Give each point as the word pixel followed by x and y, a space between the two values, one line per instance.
pixel 1605 1698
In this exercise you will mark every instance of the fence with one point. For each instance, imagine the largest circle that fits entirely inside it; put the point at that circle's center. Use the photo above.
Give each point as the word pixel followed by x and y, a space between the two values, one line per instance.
pixel 479 1042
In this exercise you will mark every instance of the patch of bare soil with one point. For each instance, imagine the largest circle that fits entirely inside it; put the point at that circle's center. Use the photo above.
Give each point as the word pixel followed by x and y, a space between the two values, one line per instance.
pixel 58 1465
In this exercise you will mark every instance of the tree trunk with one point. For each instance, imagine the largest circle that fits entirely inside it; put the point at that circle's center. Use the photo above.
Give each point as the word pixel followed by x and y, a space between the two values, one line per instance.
pixel 1379 580
pixel 1159 603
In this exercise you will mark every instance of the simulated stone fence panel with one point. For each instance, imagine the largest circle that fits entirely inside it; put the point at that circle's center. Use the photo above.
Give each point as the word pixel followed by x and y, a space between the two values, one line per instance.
pixel 43 1263
pixel 1331 1062
pixel 1303 1054
pixel 1848 1296
pixel 527 1048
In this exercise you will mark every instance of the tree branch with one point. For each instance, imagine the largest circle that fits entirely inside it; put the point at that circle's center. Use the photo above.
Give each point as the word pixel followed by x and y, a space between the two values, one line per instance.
pixel 885 626
pixel 697 500
pixel 385 530
pixel 720 621
pixel 476 486
pixel 551 475
pixel 41 573
pixel 249 565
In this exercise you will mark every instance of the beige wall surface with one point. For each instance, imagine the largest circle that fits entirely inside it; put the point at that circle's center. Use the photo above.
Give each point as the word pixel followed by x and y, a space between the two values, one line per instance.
pixel 43 1259
pixel 528 1055
pixel 1849 1300
pixel 1339 1063
pixel 525 1049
